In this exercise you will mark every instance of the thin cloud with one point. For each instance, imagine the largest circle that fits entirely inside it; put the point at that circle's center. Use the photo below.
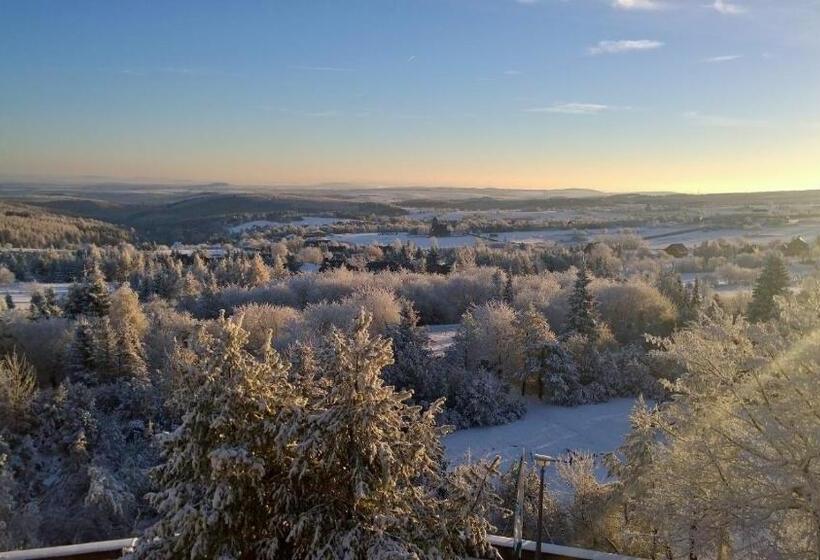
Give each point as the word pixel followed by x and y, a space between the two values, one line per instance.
pixel 722 121
pixel 616 47
pixel 572 109
pixel 646 5
pixel 727 8
pixel 512 72
pixel 724 58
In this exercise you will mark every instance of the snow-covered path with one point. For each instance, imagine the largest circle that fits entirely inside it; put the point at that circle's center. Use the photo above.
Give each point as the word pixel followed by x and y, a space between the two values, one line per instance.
pixel 550 430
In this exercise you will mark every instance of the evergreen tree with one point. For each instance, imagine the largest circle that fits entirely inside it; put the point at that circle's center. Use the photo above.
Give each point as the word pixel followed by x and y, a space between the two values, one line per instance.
pixel 509 293
pixel 89 296
pixel 413 367
pixel 582 315
pixel 43 305
pixel 224 484
pixel 772 282
pixel 257 273
pixel 261 467
pixel 37 305
pixel 9 301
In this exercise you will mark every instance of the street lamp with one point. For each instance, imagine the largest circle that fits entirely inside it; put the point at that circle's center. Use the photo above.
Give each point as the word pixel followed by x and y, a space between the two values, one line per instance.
pixel 542 461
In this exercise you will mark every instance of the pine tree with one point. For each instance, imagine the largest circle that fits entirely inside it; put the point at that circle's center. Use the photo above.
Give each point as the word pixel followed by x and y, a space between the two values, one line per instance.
pixel 582 317
pixel 83 345
pixel 90 296
pixel 224 485
pixel 43 305
pixel 257 273
pixel 413 367
pixel 772 282
pixel 377 492
pixel 260 469
pixel 97 292
pixel 278 270
pixel 509 293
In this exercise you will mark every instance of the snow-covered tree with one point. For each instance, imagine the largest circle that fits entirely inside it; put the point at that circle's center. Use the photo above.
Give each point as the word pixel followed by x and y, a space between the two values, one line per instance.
pixel 18 388
pixel 772 282
pixel 44 304
pixel 90 295
pixel 582 314
pixel 413 367
pixel 735 466
pixel 536 341
pixel 264 468
pixel 224 484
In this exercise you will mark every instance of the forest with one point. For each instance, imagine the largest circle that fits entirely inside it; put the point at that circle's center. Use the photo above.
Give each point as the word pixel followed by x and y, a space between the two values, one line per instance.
pixel 231 405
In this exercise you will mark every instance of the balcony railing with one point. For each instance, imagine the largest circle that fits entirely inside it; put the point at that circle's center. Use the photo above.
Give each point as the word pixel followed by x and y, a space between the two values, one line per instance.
pixel 112 550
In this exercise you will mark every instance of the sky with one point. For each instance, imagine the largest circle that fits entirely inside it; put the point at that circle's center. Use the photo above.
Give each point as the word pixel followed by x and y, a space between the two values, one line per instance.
pixel 620 95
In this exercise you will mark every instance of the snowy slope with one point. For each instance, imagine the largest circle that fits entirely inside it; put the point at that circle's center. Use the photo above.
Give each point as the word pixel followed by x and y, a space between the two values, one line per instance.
pixel 550 430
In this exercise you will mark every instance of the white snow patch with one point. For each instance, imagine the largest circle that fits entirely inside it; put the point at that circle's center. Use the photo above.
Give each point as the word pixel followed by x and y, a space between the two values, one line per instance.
pixel 546 429
pixel 441 337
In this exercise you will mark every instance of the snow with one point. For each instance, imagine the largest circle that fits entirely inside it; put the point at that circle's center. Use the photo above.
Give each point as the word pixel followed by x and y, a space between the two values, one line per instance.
pixel 441 337
pixel 307 221
pixel 546 429
pixel 21 291
pixel 658 237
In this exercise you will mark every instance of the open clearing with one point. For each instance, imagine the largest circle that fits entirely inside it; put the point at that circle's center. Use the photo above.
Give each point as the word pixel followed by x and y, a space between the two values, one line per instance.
pixel 546 429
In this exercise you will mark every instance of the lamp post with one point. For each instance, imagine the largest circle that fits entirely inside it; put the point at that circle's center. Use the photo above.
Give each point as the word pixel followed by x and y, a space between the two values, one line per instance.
pixel 542 461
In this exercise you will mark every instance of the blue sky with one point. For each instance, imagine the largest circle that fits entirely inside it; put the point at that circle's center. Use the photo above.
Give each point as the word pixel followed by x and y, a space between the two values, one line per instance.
pixel 692 95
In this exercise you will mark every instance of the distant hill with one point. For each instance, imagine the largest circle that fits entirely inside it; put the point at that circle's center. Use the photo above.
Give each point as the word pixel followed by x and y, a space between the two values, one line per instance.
pixel 25 226
pixel 181 215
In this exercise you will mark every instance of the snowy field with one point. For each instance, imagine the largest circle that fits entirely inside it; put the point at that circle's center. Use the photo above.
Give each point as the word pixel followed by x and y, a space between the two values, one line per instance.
pixel 21 291
pixel 658 236
pixel 546 429
pixel 307 221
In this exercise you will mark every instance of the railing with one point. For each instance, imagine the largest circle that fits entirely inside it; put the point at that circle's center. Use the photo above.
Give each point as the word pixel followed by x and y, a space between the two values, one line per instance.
pixel 112 550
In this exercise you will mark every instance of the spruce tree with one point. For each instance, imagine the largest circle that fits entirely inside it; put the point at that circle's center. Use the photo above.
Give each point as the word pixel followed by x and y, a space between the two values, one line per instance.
pixel 582 316
pixel 224 484
pixel 509 294
pixel 772 282
pixel 413 366
pixel 89 296
pixel 263 468
pixel 97 290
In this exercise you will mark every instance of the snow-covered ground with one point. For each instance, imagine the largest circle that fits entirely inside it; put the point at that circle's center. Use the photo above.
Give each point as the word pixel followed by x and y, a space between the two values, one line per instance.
pixel 307 221
pixel 21 291
pixel 441 337
pixel 546 429
pixel 658 237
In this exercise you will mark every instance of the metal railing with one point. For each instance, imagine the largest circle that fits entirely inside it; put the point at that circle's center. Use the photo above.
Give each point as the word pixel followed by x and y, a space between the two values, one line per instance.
pixel 112 550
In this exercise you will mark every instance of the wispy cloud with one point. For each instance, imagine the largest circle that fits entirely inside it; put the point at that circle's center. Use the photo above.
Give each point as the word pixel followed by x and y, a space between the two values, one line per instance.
pixel 512 72
pixel 615 47
pixel 321 68
pixel 727 8
pixel 572 109
pixel 724 58
pixel 722 121
pixel 638 5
